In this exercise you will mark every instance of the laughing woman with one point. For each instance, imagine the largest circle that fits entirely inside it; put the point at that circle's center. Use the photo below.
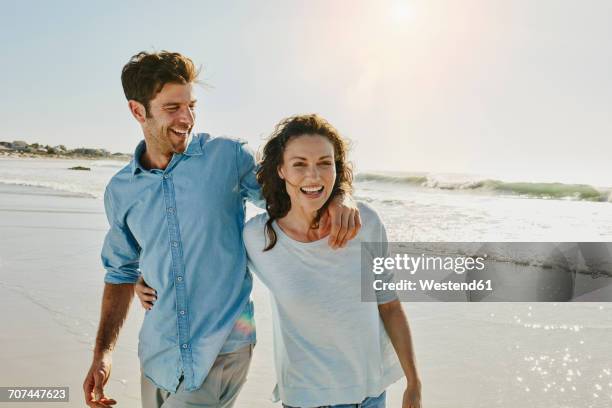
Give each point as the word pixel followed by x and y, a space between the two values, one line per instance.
pixel 330 347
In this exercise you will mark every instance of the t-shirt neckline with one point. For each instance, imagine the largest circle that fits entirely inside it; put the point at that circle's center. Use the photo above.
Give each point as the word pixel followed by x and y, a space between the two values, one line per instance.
pixel 283 235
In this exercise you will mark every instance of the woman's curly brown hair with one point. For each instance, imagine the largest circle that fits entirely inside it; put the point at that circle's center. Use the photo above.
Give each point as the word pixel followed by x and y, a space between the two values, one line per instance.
pixel 273 187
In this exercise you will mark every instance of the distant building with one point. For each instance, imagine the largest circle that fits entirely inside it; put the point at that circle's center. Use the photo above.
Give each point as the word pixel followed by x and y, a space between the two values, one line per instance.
pixel 19 145
pixel 85 151
pixel 91 152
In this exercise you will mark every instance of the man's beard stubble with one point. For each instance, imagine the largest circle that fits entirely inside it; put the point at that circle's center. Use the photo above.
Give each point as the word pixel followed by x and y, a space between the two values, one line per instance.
pixel 161 137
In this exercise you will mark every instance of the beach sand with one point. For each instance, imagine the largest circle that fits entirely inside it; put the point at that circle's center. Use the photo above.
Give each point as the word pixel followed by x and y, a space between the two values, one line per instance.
pixel 469 355
pixel 51 286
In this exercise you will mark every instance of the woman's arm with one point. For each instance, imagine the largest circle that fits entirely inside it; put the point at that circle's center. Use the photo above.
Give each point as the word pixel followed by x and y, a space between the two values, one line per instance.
pixel 396 325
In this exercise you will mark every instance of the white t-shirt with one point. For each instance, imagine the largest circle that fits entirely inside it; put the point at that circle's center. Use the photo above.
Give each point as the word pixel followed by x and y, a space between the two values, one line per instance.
pixel 330 347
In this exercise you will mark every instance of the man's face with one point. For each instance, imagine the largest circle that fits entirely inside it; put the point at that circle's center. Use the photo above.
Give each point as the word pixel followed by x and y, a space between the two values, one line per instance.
pixel 171 118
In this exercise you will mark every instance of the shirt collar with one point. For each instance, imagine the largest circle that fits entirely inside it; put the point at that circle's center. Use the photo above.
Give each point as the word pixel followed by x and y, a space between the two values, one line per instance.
pixel 195 146
pixel 136 166
pixel 193 149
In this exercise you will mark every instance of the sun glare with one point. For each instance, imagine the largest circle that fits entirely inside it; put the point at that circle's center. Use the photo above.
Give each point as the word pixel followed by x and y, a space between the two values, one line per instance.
pixel 400 11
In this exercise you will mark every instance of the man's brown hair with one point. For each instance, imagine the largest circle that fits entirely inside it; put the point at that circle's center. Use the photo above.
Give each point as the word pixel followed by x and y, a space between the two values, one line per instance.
pixel 147 73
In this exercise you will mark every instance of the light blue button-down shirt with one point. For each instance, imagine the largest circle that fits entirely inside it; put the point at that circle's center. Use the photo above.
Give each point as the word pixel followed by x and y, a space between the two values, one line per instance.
pixel 182 229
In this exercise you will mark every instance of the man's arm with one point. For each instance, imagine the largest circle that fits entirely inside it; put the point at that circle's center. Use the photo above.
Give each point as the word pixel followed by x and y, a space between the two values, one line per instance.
pixel 115 305
pixel 120 257
pixel 247 173
pixel 343 219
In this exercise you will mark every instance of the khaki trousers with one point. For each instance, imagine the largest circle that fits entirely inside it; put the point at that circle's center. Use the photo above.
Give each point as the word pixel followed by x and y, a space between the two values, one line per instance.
pixel 219 390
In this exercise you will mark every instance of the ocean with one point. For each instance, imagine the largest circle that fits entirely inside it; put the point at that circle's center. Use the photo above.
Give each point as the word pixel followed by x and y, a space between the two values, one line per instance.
pixel 423 207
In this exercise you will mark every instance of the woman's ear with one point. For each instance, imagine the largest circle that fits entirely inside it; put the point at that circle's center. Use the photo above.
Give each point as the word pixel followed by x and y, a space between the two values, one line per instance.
pixel 280 173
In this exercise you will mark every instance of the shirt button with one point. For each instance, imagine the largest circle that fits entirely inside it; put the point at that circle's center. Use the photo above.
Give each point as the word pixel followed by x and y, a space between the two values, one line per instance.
pixel 182 312
pixel 180 279
pixel 166 176
pixel 170 210
pixel 174 244
pixel 185 346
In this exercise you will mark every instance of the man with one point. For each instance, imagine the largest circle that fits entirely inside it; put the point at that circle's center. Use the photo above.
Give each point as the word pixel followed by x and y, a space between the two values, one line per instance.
pixel 176 214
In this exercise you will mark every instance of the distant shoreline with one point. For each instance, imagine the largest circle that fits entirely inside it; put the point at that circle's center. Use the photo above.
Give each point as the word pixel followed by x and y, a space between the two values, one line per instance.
pixel 23 155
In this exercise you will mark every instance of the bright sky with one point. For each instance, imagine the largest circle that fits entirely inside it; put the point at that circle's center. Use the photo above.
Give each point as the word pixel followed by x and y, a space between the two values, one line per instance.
pixel 520 88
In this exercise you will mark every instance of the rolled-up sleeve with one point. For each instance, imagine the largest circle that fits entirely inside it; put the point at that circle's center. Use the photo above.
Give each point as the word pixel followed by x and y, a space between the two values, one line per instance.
pixel 247 171
pixel 120 252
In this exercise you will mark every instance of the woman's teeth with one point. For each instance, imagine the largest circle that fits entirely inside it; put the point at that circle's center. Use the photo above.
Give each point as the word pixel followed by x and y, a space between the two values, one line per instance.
pixel 311 190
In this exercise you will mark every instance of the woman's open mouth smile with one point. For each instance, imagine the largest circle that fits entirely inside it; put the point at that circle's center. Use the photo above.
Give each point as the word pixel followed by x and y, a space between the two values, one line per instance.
pixel 312 191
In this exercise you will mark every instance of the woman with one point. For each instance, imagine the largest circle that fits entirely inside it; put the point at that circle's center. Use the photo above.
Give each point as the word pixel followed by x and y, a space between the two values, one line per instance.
pixel 330 347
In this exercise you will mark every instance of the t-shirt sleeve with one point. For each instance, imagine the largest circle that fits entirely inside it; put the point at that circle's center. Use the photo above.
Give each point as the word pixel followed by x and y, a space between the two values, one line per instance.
pixel 380 247
pixel 254 242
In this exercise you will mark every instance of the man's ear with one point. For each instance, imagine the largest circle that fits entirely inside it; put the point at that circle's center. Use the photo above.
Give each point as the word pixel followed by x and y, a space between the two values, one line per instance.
pixel 138 110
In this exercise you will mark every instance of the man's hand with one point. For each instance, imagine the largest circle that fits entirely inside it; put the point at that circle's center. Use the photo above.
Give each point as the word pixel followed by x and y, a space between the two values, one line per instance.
pixel 116 301
pixel 96 379
pixel 412 396
pixel 146 294
pixel 342 219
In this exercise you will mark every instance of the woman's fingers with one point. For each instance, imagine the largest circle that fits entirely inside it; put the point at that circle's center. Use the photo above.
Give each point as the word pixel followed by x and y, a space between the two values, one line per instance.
pixel 146 305
pixel 146 294
pixel 142 288
pixel 148 298
pixel 148 291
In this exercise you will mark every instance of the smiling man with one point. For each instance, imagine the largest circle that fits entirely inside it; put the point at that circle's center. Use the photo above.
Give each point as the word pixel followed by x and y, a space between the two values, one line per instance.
pixel 176 214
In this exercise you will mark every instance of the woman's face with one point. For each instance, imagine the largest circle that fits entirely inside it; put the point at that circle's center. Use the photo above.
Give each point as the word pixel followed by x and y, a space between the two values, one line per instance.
pixel 309 171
